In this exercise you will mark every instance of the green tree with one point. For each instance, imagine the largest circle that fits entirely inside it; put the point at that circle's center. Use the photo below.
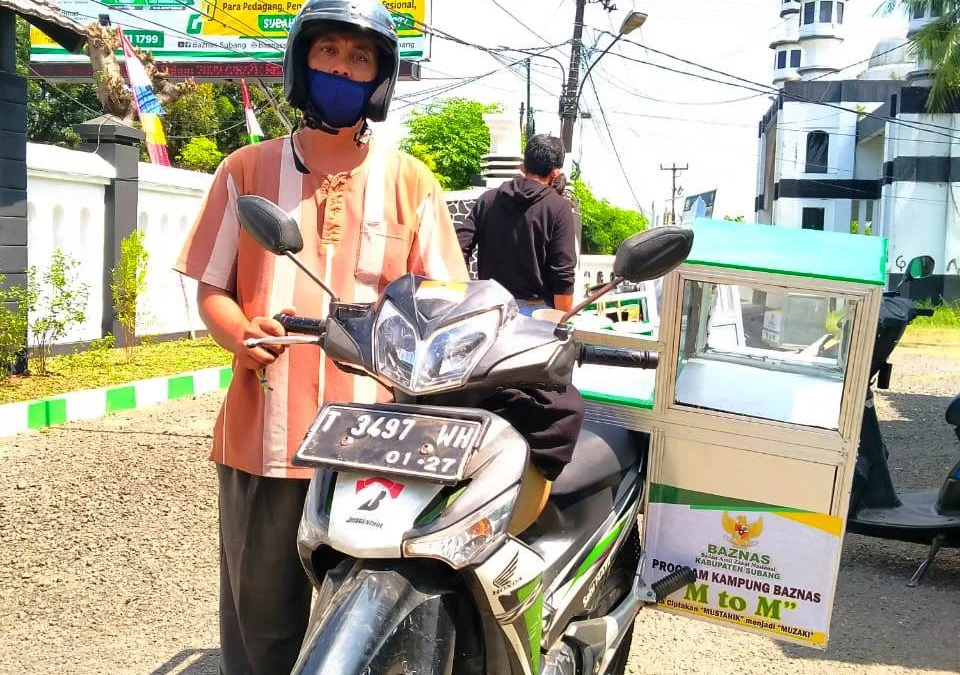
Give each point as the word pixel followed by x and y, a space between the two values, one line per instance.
pixel 735 219
pixel 52 112
pixel 605 226
pixel 55 301
pixel 211 110
pixel 192 116
pixel 200 154
pixel 128 282
pixel 13 326
pixel 937 43
pixel 452 135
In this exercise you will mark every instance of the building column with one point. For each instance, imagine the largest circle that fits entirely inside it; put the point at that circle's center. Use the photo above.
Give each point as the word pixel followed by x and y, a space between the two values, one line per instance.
pixel 119 144
pixel 13 164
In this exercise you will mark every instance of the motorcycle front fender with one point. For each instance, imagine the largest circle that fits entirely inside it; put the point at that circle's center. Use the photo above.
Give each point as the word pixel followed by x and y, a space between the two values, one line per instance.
pixel 387 618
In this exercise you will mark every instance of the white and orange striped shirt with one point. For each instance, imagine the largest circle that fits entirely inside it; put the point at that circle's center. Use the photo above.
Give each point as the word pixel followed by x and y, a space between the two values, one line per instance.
pixel 357 239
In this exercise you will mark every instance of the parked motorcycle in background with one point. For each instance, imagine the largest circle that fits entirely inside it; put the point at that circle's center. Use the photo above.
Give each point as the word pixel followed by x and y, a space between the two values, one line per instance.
pixel 930 517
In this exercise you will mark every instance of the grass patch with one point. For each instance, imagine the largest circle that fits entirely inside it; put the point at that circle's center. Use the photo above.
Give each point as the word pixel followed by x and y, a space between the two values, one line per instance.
pixel 946 315
pixel 95 368
pixel 940 331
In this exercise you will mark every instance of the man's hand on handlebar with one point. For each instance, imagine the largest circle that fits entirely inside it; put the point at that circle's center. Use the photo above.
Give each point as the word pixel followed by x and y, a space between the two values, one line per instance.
pixel 255 358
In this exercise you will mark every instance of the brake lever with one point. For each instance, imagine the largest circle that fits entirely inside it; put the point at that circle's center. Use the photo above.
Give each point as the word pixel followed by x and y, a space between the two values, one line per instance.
pixel 283 340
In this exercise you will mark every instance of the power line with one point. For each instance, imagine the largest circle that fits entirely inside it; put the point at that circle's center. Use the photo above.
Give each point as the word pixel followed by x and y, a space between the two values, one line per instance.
pixel 271 43
pixel 616 151
pixel 514 17
pixel 63 93
pixel 768 89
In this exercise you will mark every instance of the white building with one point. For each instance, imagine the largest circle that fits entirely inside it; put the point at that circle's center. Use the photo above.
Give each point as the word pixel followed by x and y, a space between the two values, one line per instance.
pixel 849 151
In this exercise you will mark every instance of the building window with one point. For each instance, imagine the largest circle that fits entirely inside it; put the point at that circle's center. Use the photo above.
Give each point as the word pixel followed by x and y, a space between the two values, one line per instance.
pixel 839 12
pixel 826 11
pixel 795 58
pixel 818 147
pixel 782 59
pixel 855 210
pixel 936 8
pixel 917 11
pixel 813 219
pixel 808 12
pixel 869 217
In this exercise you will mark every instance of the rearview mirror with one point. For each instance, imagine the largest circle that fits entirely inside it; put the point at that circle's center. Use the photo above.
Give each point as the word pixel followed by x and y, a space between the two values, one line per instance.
pixel 652 253
pixel 269 225
pixel 275 231
pixel 920 267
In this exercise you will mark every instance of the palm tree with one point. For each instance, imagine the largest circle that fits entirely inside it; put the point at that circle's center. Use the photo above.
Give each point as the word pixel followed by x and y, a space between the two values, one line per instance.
pixel 937 44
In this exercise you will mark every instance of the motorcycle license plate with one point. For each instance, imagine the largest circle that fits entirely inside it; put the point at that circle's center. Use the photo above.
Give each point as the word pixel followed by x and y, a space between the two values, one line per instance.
pixel 391 440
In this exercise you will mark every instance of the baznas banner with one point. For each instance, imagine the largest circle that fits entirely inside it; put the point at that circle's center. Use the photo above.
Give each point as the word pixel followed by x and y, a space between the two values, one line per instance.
pixel 761 567
pixel 179 31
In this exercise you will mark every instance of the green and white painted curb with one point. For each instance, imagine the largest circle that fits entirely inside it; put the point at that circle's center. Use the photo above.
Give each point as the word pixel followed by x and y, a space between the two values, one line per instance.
pixel 16 418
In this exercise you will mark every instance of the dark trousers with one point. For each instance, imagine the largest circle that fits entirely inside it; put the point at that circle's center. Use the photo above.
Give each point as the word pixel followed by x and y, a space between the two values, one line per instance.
pixel 549 420
pixel 264 592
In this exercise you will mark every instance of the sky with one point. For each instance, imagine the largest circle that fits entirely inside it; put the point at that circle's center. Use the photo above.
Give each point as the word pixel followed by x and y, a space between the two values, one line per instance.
pixel 655 117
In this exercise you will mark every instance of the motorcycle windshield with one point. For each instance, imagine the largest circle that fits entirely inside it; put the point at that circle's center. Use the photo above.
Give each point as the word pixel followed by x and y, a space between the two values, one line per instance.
pixel 377 621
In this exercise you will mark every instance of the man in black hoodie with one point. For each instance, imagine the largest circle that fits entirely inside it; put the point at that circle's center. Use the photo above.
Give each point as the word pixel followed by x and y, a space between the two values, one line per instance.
pixel 524 234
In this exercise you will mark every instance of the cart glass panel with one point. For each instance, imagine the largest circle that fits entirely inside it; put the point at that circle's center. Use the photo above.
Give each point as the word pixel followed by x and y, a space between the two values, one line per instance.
pixel 778 355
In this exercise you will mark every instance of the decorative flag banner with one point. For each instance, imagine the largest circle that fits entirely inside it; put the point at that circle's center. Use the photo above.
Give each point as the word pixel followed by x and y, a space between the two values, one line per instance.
pixel 253 126
pixel 148 107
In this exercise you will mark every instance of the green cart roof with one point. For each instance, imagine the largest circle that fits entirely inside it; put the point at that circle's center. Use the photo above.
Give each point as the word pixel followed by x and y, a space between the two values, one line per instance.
pixel 837 256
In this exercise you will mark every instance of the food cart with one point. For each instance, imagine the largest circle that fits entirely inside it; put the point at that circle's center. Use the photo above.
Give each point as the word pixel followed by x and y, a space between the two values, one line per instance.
pixel 753 413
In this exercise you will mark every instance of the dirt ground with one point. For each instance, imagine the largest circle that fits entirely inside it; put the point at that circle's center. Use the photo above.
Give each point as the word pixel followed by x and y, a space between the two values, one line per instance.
pixel 108 554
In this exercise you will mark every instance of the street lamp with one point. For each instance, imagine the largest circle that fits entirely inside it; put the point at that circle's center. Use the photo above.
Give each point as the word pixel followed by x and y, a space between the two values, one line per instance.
pixel 631 22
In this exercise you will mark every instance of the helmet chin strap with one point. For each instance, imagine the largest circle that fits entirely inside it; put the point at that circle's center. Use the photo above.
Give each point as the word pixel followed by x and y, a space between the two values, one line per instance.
pixel 312 120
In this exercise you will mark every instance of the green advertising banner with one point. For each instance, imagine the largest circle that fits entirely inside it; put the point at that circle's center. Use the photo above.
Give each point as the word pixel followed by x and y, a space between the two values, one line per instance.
pixel 179 31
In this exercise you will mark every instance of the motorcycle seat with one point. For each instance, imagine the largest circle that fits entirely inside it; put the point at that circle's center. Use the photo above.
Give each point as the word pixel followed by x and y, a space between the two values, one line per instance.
pixel 953 412
pixel 603 452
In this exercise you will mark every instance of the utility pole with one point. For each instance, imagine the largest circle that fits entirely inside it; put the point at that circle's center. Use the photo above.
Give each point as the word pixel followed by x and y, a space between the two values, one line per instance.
pixel 529 110
pixel 568 109
pixel 673 193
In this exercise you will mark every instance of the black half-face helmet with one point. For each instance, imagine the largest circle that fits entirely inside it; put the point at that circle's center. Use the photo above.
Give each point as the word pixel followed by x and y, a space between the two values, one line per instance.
pixel 323 16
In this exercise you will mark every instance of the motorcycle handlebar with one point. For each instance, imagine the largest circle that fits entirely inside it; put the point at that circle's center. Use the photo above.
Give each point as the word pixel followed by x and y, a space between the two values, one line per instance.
pixel 924 311
pixel 625 358
pixel 302 324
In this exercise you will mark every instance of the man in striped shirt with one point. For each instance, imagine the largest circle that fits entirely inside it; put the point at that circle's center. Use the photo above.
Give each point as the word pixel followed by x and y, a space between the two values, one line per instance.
pixel 368 215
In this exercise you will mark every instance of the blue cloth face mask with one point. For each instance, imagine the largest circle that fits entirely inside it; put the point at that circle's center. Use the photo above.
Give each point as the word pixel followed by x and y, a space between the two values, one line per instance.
pixel 339 100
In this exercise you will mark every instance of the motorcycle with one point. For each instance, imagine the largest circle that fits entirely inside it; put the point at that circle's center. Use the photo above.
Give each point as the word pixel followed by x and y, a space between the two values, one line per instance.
pixel 404 531
pixel 876 508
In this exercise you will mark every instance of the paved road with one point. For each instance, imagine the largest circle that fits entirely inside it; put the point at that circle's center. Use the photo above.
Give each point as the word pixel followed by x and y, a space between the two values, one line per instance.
pixel 108 556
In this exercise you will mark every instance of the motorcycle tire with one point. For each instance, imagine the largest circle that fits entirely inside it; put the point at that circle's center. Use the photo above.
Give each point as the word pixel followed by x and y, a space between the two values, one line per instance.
pixel 618 666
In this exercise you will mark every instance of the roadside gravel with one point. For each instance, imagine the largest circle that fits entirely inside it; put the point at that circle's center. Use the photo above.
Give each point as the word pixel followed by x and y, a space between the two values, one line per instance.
pixel 108 555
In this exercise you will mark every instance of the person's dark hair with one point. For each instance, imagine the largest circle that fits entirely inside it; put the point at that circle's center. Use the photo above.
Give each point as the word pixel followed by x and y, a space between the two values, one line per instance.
pixel 543 154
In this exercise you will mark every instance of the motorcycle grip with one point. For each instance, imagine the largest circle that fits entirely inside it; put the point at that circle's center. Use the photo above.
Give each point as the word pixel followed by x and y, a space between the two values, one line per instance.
pixel 301 324
pixel 673 582
pixel 628 358
pixel 924 311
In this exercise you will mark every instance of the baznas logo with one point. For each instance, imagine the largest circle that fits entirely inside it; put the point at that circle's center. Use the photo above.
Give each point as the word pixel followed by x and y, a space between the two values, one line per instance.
pixel 740 533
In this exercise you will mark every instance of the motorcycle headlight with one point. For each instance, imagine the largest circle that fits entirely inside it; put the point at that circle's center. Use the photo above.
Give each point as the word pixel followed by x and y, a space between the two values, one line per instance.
pixel 443 361
pixel 463 542
pixel 396 346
